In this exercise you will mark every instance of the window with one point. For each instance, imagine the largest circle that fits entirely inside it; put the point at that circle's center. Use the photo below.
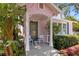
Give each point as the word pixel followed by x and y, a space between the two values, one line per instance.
pixel 67 28
pixel 64 28
pixel 41 5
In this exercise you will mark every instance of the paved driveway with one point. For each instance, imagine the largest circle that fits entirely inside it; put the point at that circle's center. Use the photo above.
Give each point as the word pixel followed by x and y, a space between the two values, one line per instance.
pixel 42 50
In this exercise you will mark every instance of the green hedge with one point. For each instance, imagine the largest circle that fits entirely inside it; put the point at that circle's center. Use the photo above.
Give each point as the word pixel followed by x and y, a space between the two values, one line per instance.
pixel 61 42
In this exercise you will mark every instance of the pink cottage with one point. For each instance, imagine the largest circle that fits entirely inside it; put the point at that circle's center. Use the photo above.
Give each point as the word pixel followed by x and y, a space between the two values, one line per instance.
pixel 36 19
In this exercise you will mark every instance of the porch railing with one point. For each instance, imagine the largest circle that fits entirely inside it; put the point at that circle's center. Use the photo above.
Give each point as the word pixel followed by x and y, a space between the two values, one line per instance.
pixel 44 38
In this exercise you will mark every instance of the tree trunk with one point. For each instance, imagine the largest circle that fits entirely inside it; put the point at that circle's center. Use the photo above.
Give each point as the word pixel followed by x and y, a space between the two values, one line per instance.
pixel 9 35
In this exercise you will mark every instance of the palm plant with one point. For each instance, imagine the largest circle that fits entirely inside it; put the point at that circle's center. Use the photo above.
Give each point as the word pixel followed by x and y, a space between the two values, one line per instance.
pixel 9 18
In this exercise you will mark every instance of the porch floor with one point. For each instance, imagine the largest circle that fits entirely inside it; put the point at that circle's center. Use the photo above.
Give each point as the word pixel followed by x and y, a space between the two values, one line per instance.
pixel 42 50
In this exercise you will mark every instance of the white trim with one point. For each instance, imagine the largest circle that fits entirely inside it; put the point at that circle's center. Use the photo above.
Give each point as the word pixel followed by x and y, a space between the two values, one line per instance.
pixel 51 33
pixel 70 28
pixel 38 28
pixel 56 7
pixel 61 20
pixel 27 47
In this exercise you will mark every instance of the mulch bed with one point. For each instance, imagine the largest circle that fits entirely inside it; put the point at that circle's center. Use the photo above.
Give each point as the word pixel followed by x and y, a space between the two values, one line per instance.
pixel 71 51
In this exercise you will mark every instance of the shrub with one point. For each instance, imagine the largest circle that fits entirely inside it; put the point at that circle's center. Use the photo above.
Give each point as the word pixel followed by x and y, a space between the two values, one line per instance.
pixel 61 42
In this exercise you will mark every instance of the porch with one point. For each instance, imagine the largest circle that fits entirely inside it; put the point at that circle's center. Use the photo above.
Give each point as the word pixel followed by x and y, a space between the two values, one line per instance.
pixel 41 21
pixel 42 50
pixel 40 16
pixel 35 29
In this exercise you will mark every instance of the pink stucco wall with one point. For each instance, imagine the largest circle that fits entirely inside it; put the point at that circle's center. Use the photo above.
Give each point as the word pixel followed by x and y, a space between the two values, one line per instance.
pixel 38 14
pixel 33 8
pixel 42 23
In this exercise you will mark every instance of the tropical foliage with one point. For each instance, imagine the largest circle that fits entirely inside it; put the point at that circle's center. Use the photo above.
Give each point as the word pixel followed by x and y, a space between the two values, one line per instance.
pixel 76 26
pixel 56 27
pixel 65 7
pixel 66 12
pixel 75 23
pixel 10 17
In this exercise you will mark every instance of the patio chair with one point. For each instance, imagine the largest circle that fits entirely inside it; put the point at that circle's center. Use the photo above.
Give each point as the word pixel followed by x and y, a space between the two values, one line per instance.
pixel 31 40
pixel 36 41
pixel 41 39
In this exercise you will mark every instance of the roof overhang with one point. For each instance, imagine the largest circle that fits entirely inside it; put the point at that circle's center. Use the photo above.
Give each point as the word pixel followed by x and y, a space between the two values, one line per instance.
pixel 56 7
pixel 51 5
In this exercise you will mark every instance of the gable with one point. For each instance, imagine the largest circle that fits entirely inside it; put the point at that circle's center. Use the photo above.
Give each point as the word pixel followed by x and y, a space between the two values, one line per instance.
pixel 47 8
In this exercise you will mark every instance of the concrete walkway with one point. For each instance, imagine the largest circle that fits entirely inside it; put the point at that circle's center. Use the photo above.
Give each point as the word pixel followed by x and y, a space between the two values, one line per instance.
pixel 42 50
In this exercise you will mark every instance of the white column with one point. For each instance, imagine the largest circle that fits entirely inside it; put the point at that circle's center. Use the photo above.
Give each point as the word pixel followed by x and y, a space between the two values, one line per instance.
pixel 27 31
pixel 51 33
pixel 70 28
